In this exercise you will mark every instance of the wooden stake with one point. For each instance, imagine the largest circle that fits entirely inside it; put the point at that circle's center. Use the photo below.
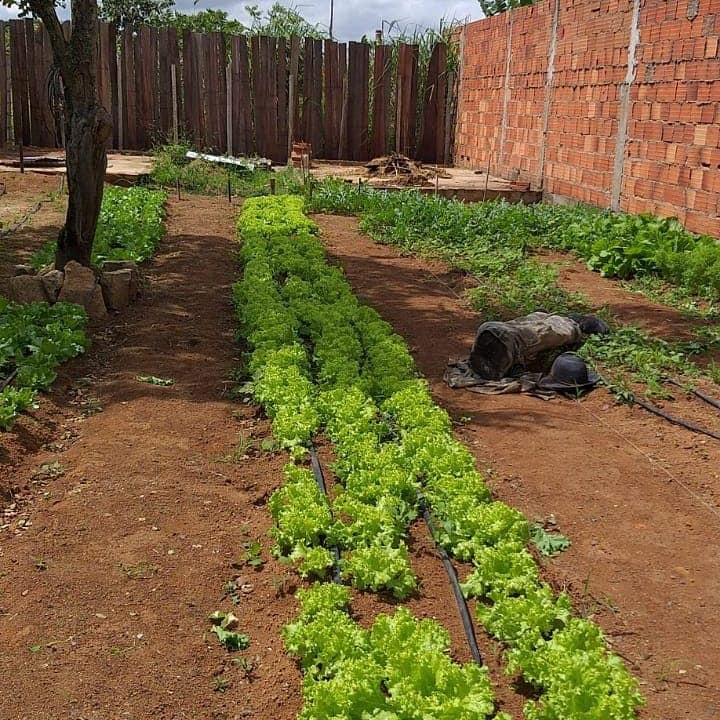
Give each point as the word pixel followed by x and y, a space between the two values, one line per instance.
pixel 22 158
pixel 272 186
pixel 177 186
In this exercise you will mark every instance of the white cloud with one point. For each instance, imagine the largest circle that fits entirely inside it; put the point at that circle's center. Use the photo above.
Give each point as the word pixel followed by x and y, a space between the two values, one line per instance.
pixel 353 18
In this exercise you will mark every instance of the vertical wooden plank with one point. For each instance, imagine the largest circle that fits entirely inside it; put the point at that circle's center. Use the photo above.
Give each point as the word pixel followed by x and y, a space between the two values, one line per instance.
pixel 272 86
pixel 3 88
pixel 199 58
pixel 434 108
pixel 358 101
pixel 381 99
pixel 241 110
pixel 441 104
pixel 31 72
pixel 18 79
pixel 164 82
pixel 43 62
pixel 174 59
pixel 407 98
pixel 105 75
pixel 221 77
pixel 129 94
pixel 317 99
pixel 295 72
pixel 111 52
pixel 188 73
pixel 282 100
pixel 343 84
pixel 329 68
pixel 307 76
pixel 213 83
pixel 259 93
pixel 140 80
pixel 155 84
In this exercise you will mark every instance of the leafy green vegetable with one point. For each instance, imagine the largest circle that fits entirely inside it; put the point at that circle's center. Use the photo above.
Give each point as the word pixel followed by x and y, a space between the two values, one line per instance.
pixel 152 380
pixel 548 543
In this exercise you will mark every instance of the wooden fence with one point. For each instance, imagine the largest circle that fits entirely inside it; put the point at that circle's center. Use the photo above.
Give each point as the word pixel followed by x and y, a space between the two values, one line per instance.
pixel 242 95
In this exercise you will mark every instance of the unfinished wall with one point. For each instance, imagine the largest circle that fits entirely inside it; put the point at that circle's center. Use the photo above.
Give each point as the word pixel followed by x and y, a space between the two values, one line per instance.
pixel 610 102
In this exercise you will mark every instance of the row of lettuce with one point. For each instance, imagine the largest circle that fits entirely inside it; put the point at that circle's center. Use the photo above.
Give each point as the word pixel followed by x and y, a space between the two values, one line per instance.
pixel 35 339
pixel 618 245
pixel 321 363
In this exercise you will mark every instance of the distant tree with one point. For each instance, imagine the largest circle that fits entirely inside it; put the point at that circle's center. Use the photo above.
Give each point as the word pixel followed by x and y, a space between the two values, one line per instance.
pixel 203 22
pixel 282 21
pixel 494 7
pixel 122 13
pixel 87 124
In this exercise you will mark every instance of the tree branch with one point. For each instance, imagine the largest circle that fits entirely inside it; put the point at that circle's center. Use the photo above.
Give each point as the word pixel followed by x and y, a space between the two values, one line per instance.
pixel 45 10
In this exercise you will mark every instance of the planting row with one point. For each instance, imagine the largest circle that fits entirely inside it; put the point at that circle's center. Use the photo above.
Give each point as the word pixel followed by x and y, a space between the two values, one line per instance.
pixel 321 362
pixel 130 226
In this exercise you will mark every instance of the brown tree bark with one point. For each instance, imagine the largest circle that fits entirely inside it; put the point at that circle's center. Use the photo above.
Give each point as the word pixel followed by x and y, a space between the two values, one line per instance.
pixel 87 125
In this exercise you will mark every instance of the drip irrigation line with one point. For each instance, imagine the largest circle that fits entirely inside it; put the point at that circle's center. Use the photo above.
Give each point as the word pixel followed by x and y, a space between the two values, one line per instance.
pixel 711 508
pixel 673 419
pixel 705 398
pixel 457 592
pixel 24 219
pixel 9 379
pixel 320 478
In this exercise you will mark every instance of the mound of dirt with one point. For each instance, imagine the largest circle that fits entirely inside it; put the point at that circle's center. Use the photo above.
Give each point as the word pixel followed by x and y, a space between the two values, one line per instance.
pixel 397 169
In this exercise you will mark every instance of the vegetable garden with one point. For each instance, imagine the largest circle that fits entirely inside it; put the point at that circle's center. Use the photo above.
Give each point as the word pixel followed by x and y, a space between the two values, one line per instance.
pixel 316 445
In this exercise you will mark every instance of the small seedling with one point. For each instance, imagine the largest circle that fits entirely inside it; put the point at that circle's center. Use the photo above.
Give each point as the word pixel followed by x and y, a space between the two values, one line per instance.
pixel 221 684
pixel 152 380
pixel 253 554
pixel 231 591
pixel 246 665
pixel 36 648
pixel 141 571
pixel 222 627
pixel 40 564
pixel 240 452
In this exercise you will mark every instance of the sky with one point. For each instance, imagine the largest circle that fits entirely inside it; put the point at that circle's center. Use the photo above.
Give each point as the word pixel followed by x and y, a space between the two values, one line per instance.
pixel 353 18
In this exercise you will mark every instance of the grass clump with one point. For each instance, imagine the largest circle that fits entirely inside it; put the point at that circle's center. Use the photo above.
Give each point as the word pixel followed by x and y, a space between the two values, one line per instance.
pixel 199 176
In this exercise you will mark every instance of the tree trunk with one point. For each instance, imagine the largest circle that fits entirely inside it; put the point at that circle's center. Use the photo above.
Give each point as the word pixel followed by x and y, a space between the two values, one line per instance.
pixel 88 127
pixel 87 124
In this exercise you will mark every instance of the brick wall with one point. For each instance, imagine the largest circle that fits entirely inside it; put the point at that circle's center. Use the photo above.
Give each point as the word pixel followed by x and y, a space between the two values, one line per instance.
pixel 622 112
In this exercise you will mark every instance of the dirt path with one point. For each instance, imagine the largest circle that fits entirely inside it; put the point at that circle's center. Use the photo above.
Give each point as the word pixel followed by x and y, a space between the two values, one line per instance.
pixel 638 498
pixel 104 597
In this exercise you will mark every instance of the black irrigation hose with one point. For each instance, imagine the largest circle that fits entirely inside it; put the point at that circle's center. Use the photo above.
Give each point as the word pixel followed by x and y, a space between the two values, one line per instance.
pixel 320 478
pixel 706 398
pixel 457 592
pixel 9 379
pixel 673 419
pixel 447 564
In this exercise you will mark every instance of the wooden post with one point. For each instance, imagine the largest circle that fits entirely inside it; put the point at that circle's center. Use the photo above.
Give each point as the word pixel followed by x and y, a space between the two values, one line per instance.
pixel 22 158
pixel 272 186
pixel 173 79
pixel 291 117
pixel 228 112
